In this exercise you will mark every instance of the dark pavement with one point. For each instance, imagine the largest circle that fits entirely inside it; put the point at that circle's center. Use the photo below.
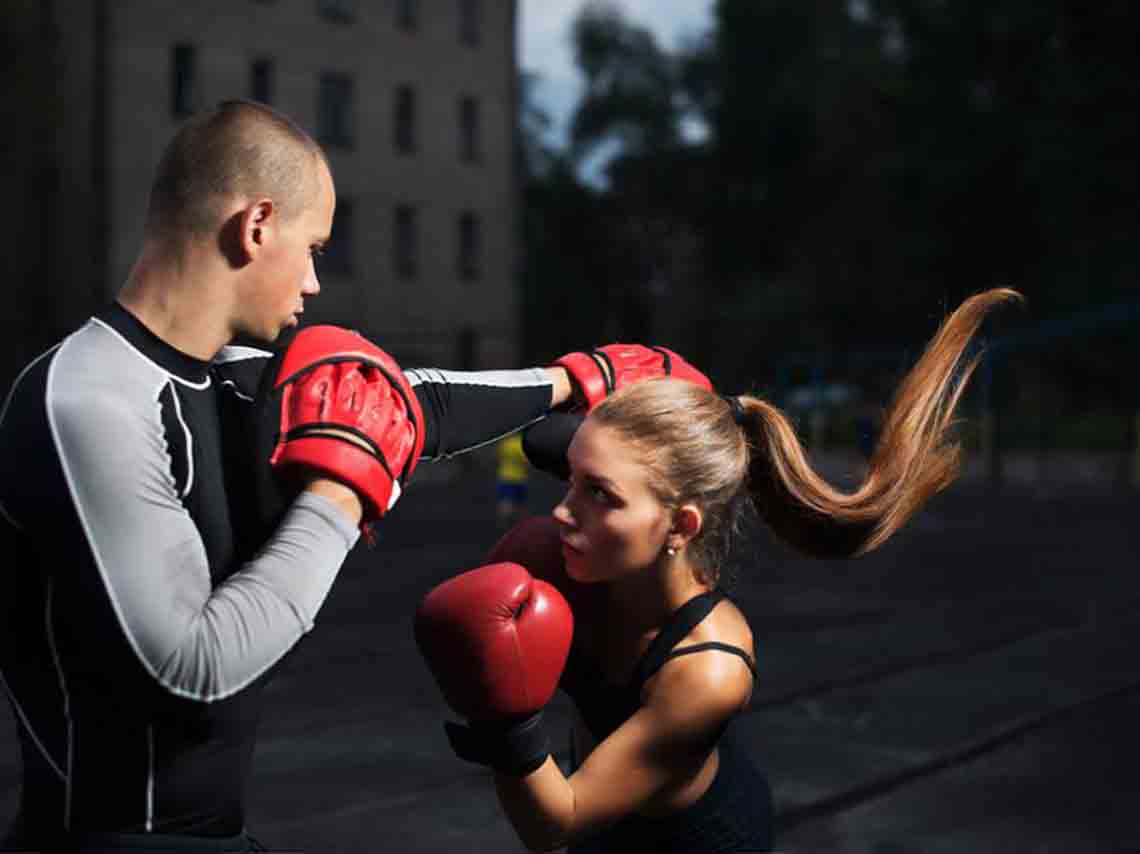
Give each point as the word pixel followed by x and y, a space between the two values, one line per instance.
pixel 973 687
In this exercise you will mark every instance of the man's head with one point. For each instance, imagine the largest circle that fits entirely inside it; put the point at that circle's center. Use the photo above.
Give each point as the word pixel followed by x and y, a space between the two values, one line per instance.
pixel 238 149
pixel 246 181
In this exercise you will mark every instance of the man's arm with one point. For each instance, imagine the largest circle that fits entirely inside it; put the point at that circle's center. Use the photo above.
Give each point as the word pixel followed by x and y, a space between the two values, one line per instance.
pixel 198 641
pixel 465 410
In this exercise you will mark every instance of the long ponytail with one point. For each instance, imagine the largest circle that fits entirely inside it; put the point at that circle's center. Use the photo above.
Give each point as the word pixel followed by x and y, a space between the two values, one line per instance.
pixel 916 456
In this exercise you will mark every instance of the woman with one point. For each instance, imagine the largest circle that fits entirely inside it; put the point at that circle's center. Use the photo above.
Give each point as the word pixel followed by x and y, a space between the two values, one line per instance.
pixel 661 662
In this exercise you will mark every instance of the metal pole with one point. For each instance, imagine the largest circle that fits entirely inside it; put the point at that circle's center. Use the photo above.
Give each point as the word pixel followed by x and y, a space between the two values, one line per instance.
pixel 1136 450
pixel 991 459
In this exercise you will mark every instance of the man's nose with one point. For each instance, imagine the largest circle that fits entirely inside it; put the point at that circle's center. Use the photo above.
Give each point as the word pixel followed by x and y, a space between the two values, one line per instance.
pixel 312 285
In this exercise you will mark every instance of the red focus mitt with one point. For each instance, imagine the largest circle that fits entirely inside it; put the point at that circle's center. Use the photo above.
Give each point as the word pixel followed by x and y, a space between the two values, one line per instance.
pixel 348 412
pixel 604 370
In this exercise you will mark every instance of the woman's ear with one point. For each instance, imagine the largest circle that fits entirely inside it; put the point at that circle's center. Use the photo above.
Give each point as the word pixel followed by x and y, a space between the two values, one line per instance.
pixel 687 522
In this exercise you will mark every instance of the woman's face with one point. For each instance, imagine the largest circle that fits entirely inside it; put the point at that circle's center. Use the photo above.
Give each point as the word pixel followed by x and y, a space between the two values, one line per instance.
pixel 611 523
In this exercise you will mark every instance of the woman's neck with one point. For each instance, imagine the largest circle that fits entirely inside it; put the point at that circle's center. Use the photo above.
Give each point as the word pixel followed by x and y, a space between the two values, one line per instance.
pixel 646 599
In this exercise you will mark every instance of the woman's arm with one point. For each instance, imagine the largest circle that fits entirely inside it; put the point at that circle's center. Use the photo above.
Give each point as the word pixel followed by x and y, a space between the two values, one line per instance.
pixel 660 749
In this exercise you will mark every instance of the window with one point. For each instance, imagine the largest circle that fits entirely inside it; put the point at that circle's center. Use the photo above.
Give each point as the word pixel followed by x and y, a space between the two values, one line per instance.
pixel 406 14
pixel 468 259
pixel 337 255
pixel 469 22
pixel 404 120
pixel 334 112
pixel 469 128
pixel 261 81
pixel 467 349
pixel 336 10
pixel 404 241
pixel 182 80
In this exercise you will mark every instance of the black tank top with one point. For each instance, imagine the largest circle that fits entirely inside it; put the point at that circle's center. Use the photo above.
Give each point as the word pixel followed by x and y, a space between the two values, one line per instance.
pixel 605 706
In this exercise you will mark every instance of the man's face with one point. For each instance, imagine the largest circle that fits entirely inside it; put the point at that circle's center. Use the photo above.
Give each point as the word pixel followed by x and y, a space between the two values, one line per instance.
pixel 283 272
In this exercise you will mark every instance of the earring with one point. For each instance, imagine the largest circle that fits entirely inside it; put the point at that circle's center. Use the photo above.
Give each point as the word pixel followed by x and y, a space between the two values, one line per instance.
pixel 669 550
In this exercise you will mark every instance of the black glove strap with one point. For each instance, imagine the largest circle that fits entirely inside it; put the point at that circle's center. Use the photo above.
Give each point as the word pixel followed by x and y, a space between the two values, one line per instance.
pixel 511 747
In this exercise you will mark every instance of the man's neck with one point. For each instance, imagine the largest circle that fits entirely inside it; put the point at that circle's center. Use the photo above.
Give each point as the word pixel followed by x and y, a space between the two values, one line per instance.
pixel 174 297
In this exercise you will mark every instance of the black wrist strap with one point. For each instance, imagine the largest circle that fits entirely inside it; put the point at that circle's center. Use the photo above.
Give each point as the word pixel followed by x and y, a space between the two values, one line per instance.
pixel 513 747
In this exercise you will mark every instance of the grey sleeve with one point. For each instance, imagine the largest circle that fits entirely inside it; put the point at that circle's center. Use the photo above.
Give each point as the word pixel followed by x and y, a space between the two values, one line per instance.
pixel 198 642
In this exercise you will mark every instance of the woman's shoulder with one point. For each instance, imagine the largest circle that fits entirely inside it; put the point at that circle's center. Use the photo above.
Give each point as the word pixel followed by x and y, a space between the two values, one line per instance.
pixel 725 624
pixel 717 673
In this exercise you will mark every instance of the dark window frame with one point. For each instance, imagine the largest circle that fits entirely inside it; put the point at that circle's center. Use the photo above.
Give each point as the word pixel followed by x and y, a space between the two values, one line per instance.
pixel 341 11
pixel 470 142
pixel 469 248
pixel 407 18
pixel 405 242
pixel 183 67
pixel 404 120
pixel 336 100
pixel 469 19
pixel 261 80
pixel 337 257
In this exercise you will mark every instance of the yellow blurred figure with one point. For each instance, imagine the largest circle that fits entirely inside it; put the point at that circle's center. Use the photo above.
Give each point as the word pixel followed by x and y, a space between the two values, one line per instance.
pixel 512 473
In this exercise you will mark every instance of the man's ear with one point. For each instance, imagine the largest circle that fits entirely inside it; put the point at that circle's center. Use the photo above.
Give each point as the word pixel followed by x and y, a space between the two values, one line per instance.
pixel 257 222
pixel 687 522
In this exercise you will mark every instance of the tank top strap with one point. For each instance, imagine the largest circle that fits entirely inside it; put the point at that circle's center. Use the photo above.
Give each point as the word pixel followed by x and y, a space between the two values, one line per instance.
pixel 681 622
pixel 723 647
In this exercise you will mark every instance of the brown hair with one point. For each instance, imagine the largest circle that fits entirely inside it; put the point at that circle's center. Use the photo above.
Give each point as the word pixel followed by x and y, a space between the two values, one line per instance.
pixel 240 148
pixel 697 451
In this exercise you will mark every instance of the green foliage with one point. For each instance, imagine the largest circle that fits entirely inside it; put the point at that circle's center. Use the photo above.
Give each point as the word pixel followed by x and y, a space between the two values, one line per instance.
pixel 631 84
pixel 863 174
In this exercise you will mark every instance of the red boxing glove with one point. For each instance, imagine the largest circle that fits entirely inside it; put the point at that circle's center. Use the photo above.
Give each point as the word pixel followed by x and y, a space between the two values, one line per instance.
pixel 496 640
pixel 606 369
pixel 348 412
pixel 536 543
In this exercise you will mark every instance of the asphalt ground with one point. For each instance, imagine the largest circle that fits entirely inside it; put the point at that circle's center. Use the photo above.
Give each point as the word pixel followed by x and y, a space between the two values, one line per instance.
pixel 972 687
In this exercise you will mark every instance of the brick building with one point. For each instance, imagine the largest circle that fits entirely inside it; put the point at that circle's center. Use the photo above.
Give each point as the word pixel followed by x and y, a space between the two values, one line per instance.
pixel 413 100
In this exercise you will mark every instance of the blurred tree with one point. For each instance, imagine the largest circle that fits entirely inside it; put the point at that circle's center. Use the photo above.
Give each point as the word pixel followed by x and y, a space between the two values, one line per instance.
pixel 606 264
pixel 868 164
pixel 630 84
pixel 563 278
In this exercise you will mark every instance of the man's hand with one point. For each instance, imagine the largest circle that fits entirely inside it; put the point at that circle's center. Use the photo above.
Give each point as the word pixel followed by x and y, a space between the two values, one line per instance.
pixel 594 376
pixel 348 413
pixel 602 371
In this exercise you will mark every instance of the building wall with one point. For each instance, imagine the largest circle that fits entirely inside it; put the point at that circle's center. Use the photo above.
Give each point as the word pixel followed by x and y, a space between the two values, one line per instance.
pixel 419 319
pixel 53 271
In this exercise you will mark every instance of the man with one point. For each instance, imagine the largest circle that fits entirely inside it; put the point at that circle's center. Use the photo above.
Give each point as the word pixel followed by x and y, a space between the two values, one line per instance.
pixel 149 591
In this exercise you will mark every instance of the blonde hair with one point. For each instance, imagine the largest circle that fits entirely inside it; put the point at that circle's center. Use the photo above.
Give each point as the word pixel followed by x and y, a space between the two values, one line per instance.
pixel 696 451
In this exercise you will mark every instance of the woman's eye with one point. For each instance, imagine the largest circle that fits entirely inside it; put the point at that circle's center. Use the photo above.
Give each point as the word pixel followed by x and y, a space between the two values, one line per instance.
pixel 599 494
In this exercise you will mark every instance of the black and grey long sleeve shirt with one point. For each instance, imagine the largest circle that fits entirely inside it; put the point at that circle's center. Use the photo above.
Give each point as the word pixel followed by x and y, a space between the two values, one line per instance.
pixel 146 599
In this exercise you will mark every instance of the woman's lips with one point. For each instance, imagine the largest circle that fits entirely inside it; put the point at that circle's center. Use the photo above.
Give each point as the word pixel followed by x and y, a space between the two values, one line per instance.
pixel 569 548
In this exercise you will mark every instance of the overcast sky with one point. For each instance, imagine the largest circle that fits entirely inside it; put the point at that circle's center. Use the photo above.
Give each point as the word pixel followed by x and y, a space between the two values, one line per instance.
pixel 544 42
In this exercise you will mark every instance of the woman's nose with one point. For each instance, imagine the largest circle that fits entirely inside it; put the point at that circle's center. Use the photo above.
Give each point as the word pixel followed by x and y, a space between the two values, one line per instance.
pixel 562 514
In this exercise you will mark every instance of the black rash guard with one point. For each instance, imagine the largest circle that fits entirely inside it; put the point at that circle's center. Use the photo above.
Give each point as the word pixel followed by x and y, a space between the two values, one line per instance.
pixel 146 598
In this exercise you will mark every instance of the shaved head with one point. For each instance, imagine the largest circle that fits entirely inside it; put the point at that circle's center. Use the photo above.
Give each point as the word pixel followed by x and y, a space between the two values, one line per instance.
pixel 239 149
